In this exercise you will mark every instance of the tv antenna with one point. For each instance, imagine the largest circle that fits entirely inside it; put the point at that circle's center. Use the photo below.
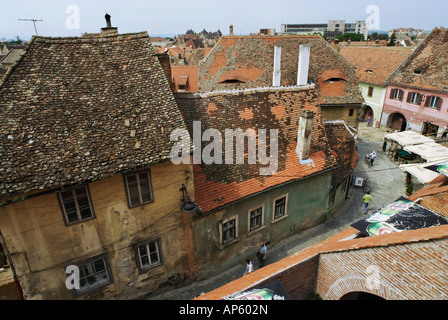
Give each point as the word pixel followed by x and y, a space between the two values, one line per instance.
pixel 34 22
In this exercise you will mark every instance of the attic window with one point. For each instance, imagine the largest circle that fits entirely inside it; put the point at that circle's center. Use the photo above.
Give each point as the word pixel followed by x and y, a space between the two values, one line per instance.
pixel 231 81
pixel 420 69
pixel 231 78
pixel 369 71
pixel 332 80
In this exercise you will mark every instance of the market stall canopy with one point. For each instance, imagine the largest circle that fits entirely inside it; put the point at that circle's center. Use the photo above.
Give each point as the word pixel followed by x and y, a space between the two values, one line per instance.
pixel 400 215
pixel 430 151
pixel 270 291
pixel 420 171
pixel 408 138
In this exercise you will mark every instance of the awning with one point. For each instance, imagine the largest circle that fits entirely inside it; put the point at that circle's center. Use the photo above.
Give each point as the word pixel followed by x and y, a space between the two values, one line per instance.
pixel 420 171
pixel 408 138
pixel 400 215
pixel 429 151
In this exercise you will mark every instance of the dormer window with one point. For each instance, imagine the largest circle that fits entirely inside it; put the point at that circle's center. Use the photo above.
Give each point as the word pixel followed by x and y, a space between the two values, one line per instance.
pixel 332 80
pixel 231 79
pixel 420 69
pixel 369 71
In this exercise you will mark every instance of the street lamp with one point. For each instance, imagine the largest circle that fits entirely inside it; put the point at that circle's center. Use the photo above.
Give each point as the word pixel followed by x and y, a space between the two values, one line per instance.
pixel 187 206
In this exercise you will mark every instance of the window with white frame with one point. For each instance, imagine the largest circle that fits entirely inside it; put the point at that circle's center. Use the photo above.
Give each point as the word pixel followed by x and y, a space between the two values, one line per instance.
pixel 138 188
pixel 94 273
pixel 149 255
pixel 414 97
pixel 228 231
pixel 433 102
pixel 397 94
pixel 255 218
pixel 280 207
pixel 76 205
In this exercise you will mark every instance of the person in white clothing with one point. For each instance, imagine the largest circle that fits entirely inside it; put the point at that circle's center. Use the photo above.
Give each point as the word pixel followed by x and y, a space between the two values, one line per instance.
pixel 249 267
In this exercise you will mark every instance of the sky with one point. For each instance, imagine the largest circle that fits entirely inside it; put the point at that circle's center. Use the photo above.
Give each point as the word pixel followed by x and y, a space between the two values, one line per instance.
pixel 62 18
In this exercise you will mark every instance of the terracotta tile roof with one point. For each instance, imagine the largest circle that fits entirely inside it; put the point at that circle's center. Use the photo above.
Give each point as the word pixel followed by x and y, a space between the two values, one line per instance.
pixel 251 57
pixel 430 60
pixel 186 71
pixel 75 109
pixel 434 196
pixel 332 244
pixel 375 65
pixel 217 185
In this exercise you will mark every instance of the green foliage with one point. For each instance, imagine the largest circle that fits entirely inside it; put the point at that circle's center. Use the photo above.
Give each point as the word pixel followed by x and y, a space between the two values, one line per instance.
pixel 392 40
pixel 410 189
pixel 314 296
pixel 350 36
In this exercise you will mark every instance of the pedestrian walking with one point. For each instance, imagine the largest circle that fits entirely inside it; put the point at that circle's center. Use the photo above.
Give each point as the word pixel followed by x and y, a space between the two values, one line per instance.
pixel 367 198
pixel 372 157
pixel 262 254
pixel 249 267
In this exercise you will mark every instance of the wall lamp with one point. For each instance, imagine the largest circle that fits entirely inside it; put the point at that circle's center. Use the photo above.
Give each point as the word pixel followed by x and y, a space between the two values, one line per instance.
pixel 187 205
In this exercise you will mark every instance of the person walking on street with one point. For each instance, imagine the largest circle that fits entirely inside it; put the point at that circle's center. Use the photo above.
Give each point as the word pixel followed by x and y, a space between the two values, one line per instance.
pixel 262 254
pixel 372 157
pixel 367 197
pixel 249 267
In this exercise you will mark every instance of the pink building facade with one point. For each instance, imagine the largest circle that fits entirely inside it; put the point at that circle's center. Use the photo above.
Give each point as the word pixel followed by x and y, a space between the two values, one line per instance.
pixel 417 109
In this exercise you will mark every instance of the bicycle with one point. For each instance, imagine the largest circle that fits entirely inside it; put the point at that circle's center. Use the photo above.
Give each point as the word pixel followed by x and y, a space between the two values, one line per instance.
pixel 368 161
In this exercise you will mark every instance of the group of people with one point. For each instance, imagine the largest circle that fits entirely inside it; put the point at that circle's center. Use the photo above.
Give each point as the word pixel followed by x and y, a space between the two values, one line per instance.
pixel 261 255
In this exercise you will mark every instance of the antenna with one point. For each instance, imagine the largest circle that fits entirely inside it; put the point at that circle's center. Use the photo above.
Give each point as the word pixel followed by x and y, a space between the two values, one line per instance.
pixel 34 22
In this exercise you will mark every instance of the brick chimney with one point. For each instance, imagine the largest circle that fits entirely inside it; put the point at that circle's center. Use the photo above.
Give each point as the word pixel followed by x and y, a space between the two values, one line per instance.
pixel 304 136
pixel 231 30
pixel 108 30
pixel 276 73
pixel 303 65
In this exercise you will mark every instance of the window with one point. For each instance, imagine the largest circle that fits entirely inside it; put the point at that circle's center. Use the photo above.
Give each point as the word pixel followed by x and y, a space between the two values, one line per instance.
pixel 149 255
pixel 138 188
pixel 331 197
pixel 433 102
pixel 370 92
pixel 256 218
pixel 93 274
pixel 396 94
pixel 414 98
pixel 280 207
pixel 76 205
pixel 350 112
pixel 228 231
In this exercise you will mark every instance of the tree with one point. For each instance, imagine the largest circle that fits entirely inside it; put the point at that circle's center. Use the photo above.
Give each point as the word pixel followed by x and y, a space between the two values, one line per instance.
pixel 392 40
pixel 350 36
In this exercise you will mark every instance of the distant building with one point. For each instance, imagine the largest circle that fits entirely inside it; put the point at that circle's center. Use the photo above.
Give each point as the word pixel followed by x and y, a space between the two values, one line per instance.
pixel 331 30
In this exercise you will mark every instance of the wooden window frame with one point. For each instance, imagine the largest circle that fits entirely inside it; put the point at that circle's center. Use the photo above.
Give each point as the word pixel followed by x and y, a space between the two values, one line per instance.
pixel 110 279
pixel 144 268
pixel 223 232
pixel 128 195
pixel 414 98
pixel 370 92
pixel 78 213
pixel 394 96
pixel 285 214
pixel 438 102
pixel 258 216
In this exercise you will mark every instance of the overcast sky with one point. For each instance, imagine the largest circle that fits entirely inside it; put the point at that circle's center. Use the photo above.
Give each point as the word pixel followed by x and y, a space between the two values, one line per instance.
pixel 75 17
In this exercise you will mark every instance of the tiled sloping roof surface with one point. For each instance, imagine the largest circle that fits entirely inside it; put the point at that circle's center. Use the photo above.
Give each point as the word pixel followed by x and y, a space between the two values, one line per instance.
pixel 76 109
pixel 252 58
pixel 375 65
pixel 219 184
pixel 430 57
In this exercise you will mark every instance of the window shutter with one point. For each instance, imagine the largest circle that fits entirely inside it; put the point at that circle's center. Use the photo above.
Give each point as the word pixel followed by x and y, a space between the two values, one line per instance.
pixel 408 99
pixel 401 95
pixel 391 96
pixel 427 100
pixel 419 98
pixel 439 103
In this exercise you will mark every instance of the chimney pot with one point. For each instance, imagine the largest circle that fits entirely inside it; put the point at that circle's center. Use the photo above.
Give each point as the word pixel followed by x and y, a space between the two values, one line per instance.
pixel 303 65
pixel 108 21
pixel 304 136
pixel 231 29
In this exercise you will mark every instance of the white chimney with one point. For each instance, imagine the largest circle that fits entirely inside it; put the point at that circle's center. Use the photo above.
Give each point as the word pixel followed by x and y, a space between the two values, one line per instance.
pixel 277 59
pixel 304 136
pixel 303 65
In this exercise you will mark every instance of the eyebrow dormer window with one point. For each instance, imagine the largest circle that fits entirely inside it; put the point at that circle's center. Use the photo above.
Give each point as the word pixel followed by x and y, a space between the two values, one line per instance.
pixel 231 81
pixel 332 80
pixel 231 78
pixel 420 69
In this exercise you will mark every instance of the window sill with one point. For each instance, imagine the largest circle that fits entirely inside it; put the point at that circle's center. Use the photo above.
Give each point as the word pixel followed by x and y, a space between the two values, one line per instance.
pixel 275 220
pixel 249 233
pixel 227 244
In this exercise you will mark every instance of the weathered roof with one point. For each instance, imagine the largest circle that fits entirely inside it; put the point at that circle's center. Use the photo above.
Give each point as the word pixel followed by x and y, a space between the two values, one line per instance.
pixel 252 58
pixel 81 108
pixel 11 57
pixel 375 64
pixel 217 185
pixel 427 66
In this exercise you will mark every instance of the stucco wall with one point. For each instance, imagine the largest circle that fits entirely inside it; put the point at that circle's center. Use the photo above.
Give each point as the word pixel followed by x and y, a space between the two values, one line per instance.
pixel 42 246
